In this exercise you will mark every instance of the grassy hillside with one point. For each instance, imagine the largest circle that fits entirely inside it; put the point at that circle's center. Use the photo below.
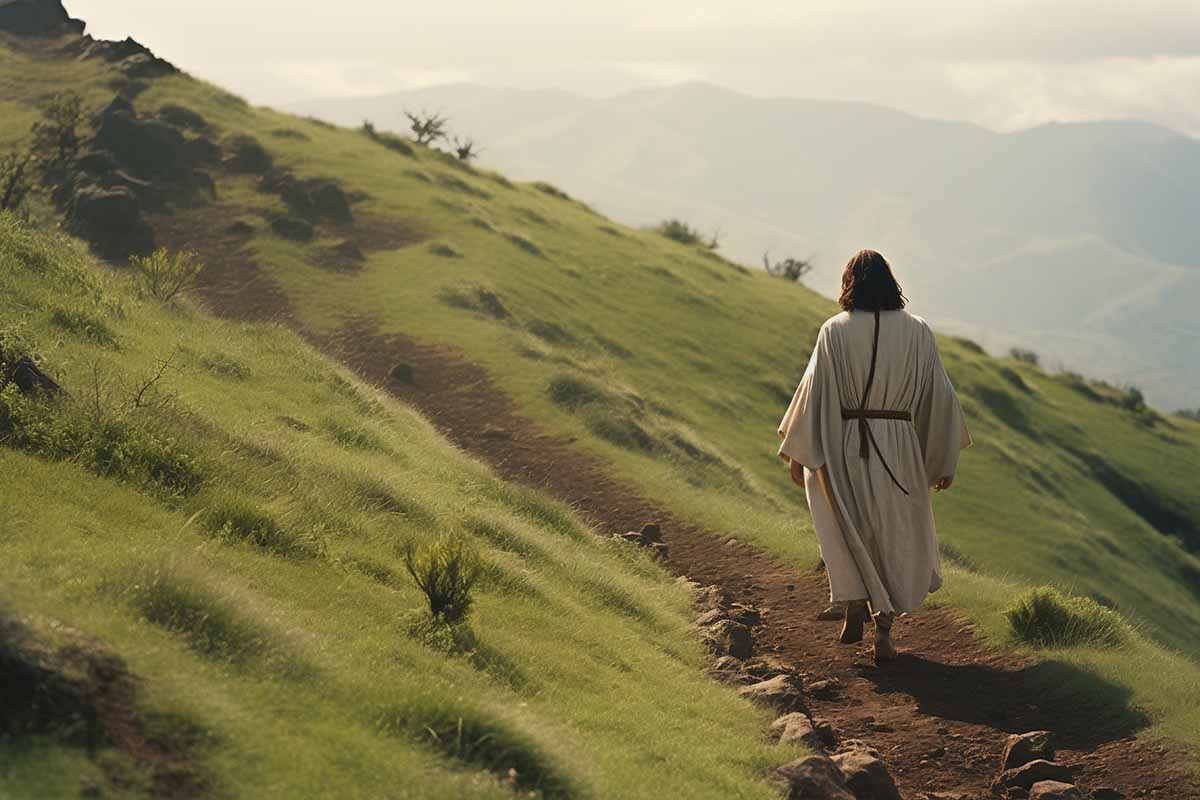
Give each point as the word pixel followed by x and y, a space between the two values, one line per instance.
pixel 235 541
pixel 684 362
pixel 665 361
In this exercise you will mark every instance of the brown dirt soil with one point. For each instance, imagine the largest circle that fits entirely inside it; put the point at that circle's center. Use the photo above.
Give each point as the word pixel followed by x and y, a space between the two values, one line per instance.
pixel 939 715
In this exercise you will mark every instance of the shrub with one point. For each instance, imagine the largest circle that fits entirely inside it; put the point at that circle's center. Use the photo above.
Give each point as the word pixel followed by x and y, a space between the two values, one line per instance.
pixel 56 136
pixel 465 149
pixel 15 181
pixel 1046 617
pixel 128 444
pixel 679 231
pixel 790 269
pixel 1025 356
pixel 445 570
pixel 164 275
pixel 427 128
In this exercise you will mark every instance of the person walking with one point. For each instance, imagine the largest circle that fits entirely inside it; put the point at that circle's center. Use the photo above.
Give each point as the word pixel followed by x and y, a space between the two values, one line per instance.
pixel 873 428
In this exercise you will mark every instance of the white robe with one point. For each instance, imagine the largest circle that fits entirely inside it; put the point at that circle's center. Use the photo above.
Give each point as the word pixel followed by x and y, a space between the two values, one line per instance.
pixel 877 543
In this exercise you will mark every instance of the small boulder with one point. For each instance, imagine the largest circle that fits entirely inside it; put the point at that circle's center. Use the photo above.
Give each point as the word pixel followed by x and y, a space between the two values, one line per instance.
pixel 651 533
pixel 633 537
pixel 1022 748
pixel 711 617
pixel 247 155
pixel 812 778
pixel 659 551
pixel 294 228
pixel 711 597
pixel 111 220
pixel 1024 777
pixel 149 147
pixel 784 693
pixel 866 775
pixel 1054 790
pixel 827 689
pixel 28 377
pixel 729 638
pixel 201 150
pixel 745 614
pixel 798 727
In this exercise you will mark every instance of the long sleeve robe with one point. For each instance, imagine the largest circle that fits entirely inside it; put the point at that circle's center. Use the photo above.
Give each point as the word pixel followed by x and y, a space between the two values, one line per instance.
pixel 877 542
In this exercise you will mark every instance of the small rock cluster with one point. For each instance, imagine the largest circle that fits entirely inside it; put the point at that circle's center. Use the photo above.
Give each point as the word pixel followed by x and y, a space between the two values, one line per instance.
pixel 1028 771
pixel 853 772
pixel 132 165
pixel 649 536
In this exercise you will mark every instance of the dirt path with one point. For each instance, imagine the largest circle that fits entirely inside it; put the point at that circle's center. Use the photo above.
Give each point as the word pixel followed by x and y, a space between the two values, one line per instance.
pixel 939 716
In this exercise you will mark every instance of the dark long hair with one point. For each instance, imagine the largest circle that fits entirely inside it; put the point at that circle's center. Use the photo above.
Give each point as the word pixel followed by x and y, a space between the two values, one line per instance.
pixel 869 285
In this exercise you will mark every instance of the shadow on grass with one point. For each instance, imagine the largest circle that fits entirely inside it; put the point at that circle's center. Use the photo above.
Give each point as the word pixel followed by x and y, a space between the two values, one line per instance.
pixel 1082 709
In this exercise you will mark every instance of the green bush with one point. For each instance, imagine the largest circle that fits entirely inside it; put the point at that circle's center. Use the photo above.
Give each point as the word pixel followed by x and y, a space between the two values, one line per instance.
pixel 679 231
pixel 163 275
pixel 1025 356
pixel 134 445
pixel 1047 617
pixel 445 570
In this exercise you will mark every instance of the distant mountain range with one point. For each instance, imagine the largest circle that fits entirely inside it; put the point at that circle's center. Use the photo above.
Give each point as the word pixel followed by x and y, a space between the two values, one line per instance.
pixel 1080 242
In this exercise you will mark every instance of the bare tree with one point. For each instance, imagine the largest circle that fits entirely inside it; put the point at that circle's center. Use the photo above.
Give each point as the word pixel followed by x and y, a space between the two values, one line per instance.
pixel 427 128
pixel 790 269
pixel 466 149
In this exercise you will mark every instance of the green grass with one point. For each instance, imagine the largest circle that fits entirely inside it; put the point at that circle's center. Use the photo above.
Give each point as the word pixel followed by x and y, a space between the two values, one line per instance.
pixel 268 606
pixel 696 358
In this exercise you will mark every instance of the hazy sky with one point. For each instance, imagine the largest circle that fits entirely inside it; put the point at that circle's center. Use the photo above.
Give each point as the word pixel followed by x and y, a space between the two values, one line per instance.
pixel 1002 63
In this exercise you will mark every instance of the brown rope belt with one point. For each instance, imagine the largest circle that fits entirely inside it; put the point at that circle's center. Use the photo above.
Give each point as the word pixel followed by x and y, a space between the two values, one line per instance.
pixel 866 439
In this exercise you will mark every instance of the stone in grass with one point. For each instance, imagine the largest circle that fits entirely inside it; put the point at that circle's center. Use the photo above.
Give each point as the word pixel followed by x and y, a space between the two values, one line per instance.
pixel 659 551
pixel 1024 777
pixel 812 777
pixel 1022 748
pixel 1054 790
pixel 784 693
pixel 866 775
pixel 401 373
pixel 294 228
pixel 729 638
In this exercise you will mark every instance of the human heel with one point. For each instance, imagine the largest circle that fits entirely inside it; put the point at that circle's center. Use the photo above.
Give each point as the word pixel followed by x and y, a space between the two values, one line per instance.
pixel 852 628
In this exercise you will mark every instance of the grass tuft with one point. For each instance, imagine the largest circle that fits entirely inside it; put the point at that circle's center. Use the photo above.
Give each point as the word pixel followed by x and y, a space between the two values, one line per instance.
pixel 1047 617
pixel 478 739
pixel 232 518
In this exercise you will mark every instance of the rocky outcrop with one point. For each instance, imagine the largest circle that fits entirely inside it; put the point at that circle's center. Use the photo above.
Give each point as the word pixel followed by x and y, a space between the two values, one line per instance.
pixel 294 228
pixel 246 154
pixel 110 219
pixel 799 727
pixel 315 199
pixel 133 59
pixel 36 18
